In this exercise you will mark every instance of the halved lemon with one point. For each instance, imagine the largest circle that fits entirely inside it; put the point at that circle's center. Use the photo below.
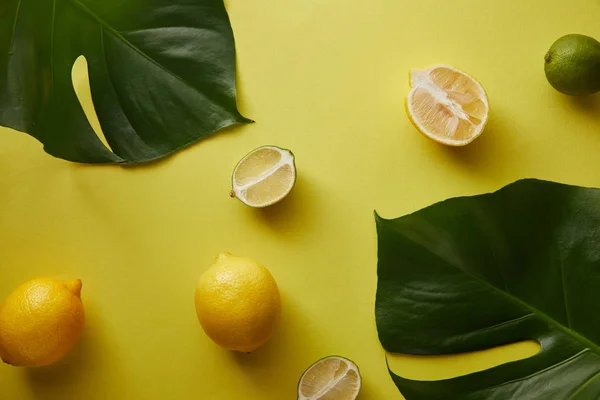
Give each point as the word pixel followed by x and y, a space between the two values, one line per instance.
pixel 264 176
pixel 447 105
pixel 332 378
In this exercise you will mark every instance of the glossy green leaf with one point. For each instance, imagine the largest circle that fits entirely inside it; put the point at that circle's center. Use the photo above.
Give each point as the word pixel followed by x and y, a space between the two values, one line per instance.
pixel 477 272
pixel 162 74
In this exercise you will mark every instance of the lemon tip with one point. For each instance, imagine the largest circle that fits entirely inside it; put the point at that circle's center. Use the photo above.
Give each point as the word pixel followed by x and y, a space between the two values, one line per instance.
pixel 74 286
pixel 223 255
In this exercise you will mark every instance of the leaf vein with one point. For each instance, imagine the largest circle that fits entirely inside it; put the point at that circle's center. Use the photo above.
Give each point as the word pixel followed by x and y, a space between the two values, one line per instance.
pixel 493 253
pixel 52 29
pixel 550 368
pixel 512 321
pixel 14 28
pixel 582 387
pixel 109 28
pixel 117 96
pixel 564 287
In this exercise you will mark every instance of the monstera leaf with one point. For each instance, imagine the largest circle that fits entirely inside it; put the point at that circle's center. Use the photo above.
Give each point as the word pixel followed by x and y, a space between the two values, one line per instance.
pixel 162 74
pixel 478 272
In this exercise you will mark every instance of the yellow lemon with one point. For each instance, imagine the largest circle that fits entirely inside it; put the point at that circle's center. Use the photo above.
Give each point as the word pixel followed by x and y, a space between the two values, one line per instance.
pixel 40 322
pixel 238 303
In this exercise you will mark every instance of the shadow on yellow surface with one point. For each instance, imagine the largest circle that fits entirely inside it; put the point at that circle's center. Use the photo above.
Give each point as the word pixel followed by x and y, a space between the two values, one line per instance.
pixel 587 106
pixel 486 154
pixel 88 368
pixel 292 215
pixel 273 361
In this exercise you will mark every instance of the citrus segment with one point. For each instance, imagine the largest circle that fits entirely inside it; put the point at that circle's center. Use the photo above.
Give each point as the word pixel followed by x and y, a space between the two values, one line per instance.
pixel 447 105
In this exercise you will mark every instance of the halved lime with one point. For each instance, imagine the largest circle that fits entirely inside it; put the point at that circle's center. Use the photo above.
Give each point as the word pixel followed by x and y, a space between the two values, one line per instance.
pixel 331 378
pixel 264 176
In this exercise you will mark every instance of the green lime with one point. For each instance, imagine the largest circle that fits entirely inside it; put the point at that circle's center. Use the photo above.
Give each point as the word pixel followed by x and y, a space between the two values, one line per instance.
pixel 573 65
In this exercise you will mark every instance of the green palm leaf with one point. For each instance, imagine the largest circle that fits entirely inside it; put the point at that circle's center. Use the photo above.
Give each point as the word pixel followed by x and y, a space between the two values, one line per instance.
pixel 162 74
pixel 477 272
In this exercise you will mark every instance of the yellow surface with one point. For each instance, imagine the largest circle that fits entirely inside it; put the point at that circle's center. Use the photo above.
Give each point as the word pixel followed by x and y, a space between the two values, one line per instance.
pixel 327 80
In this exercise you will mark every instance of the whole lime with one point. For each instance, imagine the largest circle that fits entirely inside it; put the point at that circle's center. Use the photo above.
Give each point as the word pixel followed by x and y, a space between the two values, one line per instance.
pixel 572 65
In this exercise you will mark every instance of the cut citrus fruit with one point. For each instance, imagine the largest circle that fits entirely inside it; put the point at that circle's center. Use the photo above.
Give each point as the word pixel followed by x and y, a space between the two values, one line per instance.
pixel 447 105
pixel 264 177
pixel 332 378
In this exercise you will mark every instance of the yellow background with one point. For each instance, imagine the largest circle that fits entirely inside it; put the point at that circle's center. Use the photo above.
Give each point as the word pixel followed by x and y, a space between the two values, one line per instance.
pixel 325 78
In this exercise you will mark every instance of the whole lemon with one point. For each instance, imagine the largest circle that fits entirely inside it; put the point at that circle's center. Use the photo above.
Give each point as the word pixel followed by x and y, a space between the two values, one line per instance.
pixel 238 303
pixel 40 322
